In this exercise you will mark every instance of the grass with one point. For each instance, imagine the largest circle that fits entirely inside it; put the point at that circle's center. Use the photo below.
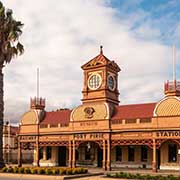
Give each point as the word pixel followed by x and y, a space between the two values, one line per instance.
pixel 124 175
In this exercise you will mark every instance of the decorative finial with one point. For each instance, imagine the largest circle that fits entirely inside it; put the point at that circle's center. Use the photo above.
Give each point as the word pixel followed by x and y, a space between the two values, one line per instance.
pixel 101 49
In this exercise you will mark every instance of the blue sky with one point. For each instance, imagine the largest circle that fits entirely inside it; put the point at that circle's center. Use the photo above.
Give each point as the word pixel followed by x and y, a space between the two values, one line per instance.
pixel 162 15
pixel 60 36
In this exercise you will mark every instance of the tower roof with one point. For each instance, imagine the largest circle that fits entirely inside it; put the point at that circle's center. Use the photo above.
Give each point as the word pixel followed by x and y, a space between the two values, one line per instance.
pixel 100 60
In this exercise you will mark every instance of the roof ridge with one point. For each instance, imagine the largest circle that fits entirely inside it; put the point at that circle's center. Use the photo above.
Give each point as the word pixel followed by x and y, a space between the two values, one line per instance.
pixel 62 110
pixel 137 104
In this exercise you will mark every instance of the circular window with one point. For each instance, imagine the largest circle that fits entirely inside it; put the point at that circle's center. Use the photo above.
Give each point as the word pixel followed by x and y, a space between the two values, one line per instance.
pixel 94 81
pixel 111 82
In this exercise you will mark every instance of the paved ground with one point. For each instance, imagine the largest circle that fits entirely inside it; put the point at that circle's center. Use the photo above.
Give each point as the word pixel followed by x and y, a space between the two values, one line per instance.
pixel 97 178
pixel 4 176
pixel 29 177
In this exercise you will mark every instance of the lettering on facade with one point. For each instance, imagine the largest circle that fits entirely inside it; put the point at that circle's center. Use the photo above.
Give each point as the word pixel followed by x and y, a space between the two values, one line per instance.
pixel 88 124
pixel 168 134
pixel 89 136
pixel 28 138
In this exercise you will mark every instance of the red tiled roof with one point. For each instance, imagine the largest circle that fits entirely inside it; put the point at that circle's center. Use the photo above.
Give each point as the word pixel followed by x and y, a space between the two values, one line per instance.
pixel 56 117
pixel 134 111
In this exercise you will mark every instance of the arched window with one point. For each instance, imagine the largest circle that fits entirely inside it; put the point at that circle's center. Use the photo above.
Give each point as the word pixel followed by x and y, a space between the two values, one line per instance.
pixel 172 153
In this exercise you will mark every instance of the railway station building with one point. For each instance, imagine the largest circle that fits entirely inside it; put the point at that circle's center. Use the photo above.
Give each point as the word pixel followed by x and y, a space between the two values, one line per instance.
pixel 101 132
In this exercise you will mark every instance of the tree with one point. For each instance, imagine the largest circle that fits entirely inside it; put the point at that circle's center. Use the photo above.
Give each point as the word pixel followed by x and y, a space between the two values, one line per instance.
pixel 10 47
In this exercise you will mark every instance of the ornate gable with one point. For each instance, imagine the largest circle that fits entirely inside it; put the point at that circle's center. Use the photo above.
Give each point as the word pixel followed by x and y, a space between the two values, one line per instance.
pixel 99 61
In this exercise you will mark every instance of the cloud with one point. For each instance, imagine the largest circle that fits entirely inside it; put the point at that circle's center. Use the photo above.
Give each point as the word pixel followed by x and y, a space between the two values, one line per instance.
pixel 60 36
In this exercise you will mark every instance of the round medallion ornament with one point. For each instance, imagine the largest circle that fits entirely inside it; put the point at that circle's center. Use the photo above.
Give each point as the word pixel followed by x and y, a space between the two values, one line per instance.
pixel 89 112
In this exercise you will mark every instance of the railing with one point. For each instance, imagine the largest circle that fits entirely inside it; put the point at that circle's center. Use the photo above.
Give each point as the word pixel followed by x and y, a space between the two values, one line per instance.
pixel 59 125
pixel 132 121
pixel 37 102
pixel 172 86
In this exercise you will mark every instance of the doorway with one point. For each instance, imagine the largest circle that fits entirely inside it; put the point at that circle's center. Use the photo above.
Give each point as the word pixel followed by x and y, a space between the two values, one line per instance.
pixel 158 158
pixel 99 157
pixel 62 156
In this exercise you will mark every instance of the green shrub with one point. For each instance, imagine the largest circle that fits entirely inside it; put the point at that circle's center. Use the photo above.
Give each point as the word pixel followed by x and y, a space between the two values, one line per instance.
pixel 68 171
pixel 48 171
pixel 62 171
pixel 21 170
pixel 55 171
pixel 74 171
pixel 149 177
pixel 15 169
pixel 83 170
pixel 138 176
pixel 86 170
pixel 34 171
pixel 108 175
pixel 117 175
pixel 41 171
pixel 171 177
pixel 27 170
pixel 9 170
pixel 78 170
pixel 4 169
pixel 125 175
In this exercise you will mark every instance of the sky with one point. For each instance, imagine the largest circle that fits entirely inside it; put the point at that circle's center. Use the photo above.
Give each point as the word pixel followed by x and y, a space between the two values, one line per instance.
pixel 61 35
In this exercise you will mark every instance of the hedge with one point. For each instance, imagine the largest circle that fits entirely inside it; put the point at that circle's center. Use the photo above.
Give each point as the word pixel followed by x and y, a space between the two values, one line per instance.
pixel 44 170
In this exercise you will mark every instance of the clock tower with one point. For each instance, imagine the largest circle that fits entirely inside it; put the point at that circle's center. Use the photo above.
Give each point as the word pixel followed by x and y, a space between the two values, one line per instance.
pixel 100 80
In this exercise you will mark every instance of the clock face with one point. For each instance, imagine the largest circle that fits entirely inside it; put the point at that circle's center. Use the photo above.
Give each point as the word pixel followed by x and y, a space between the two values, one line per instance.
pixel 94 81
pixel 111 83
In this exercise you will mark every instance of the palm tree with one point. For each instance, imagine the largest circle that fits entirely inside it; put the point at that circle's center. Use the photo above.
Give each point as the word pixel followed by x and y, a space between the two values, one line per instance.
pixel 10 47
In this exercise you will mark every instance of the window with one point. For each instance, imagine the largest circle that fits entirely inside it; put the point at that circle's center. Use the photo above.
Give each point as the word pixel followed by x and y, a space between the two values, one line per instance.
pixel 117 121
pixel 87 153
pixel 172 153
pixel 94 81
pixel 118 153
pixel 43 125
pixel 145 120
pixel 130 153
pixel 41 153
pixel 111 82
pixel 144 153
pixel 129 121
pixel 48 152
pixel 77 154
pixel 53 125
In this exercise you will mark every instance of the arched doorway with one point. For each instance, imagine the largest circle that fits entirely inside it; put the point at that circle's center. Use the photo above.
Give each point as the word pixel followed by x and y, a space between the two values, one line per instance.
pixel 168 155
pixel 89 154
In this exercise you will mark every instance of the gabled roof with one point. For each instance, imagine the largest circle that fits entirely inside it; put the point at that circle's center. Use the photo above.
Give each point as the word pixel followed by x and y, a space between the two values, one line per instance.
pixel 57 117
pixel 100 60
pixel 134 111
